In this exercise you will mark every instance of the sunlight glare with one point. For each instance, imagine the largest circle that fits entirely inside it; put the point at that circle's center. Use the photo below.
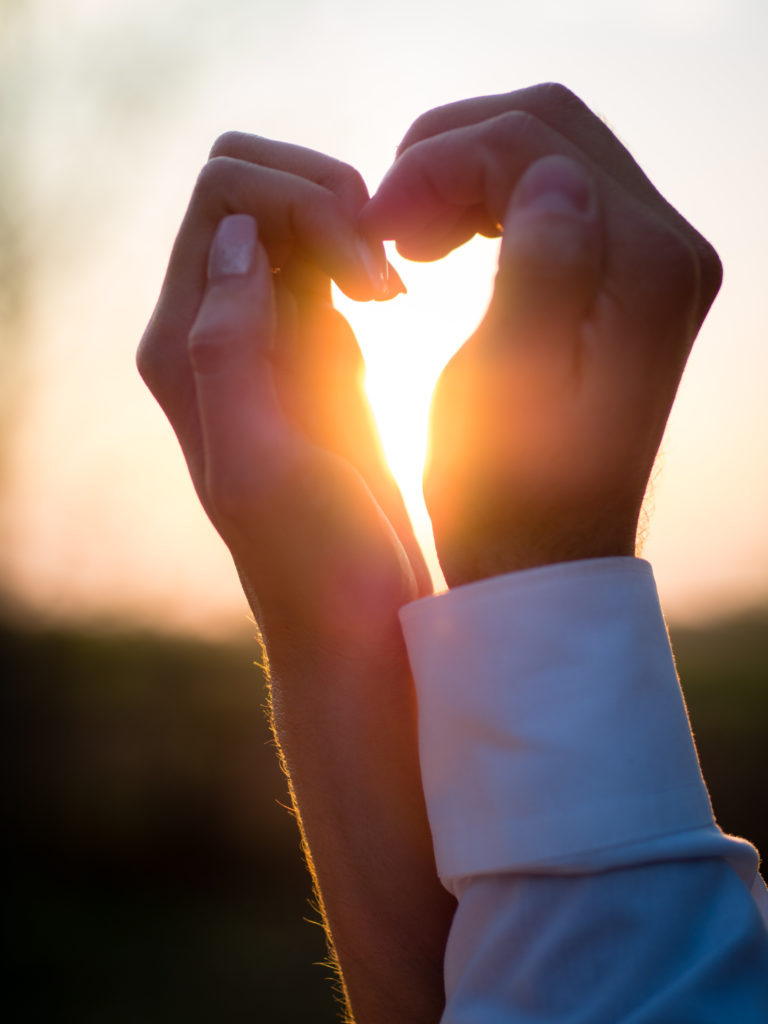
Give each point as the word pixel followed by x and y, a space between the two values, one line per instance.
pixel 406 343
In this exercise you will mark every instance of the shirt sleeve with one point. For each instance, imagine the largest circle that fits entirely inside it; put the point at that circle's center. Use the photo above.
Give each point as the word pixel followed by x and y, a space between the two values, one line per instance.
pixel 568 811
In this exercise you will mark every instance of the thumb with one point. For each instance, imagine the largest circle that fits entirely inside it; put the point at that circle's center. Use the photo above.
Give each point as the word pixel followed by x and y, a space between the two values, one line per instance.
pixel 242 425
pixel 551 253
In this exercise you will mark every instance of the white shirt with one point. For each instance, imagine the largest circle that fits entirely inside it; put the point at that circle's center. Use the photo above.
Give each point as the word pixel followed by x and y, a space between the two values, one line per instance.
pixel 568 811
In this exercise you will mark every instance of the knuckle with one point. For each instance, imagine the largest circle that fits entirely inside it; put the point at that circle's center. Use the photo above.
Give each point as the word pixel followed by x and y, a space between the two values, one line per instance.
pixel 711 271
pixel 678 267
pixel 158 366
pixel 247 497
pixel 316 212
pixel 148 361
pixel 346 173
pixel 430 123
pixel 420 129
pixel 209 345
pixel 212 177
pixel 671 292
pixel 233 500
pixel 555 94
pixel 227 144
pixel 512 124
pixel 691 263
pixel 509 132
pixel 144 360
pixel 346 181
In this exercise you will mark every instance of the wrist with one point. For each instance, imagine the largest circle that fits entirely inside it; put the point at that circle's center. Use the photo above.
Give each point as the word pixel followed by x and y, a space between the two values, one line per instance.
pixel 467 562
pixel 345 723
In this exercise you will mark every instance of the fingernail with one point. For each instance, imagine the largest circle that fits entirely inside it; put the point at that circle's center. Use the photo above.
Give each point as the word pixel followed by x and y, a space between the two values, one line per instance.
pixel 231 253
pixel 558 185
pixel 396 286
pixel 377 269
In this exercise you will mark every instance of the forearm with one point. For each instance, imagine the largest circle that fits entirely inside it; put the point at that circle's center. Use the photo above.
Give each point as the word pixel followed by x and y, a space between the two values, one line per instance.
pixel 347 736
pixel 301 497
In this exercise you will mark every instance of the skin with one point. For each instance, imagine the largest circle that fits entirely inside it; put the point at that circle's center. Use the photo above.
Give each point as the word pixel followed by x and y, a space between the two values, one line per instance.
pixel 544 430
pixel 546 424
pixel 262 381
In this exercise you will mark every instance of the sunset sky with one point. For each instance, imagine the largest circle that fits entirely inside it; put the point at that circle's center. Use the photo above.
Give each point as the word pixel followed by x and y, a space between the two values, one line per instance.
pixel 108 112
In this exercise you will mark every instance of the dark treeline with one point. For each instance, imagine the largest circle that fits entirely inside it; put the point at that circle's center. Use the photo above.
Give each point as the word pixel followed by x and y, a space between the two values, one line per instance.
pixel 156 875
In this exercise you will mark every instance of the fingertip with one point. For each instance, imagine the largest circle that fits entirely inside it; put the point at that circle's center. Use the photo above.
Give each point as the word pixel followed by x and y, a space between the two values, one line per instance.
pixel 366 219
pixel 373 262
pixel 395 282
pixel 556 184
pixel 551 223
pixel 375 219
pixel 393 286
pixel 551 253
pixel 237 307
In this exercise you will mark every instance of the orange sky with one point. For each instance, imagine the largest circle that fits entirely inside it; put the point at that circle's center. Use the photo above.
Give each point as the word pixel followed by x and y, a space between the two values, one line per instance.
pixel 115 110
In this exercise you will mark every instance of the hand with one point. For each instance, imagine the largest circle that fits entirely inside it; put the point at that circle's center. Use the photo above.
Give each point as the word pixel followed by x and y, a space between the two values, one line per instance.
pixel 262 381
pixel 265 394
pixel 545 425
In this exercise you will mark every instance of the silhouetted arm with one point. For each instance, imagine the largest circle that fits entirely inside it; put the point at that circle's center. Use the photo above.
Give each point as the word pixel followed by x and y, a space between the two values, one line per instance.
pixel 262 380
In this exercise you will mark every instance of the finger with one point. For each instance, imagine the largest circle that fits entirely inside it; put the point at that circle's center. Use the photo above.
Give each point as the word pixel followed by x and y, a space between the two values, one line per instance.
pixel 555 105
pixel 338 177
pixel 319 365
pixel 424 200
pixel 447 233
pixel 295 214
pixel 245 435
pixel 502 417
pixel 550 259
pixel 518 373
pixel 320 379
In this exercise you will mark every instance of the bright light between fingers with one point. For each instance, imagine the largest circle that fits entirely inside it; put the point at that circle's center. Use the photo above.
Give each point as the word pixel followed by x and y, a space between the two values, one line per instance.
pixel 406 342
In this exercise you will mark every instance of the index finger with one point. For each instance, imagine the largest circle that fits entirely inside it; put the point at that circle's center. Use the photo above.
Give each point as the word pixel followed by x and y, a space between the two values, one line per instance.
pixel 338 177
pixel 564 112
pixel 555 105
pixel 429 198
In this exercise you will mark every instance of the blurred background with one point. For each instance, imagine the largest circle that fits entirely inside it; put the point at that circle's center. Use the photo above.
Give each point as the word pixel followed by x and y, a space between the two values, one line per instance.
pixel 156 874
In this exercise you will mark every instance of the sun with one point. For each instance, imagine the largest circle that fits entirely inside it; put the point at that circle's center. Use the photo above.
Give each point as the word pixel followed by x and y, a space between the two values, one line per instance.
pixel 406 342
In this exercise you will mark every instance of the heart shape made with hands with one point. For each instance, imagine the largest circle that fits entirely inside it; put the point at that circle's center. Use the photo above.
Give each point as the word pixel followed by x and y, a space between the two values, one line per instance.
pixel 545 422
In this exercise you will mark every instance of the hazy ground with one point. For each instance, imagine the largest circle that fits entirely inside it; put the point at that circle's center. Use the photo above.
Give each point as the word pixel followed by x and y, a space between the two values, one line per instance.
pixel 155 878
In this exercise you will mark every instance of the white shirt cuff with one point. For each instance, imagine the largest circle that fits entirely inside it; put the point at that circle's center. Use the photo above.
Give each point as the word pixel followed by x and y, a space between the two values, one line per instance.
pixel 551 722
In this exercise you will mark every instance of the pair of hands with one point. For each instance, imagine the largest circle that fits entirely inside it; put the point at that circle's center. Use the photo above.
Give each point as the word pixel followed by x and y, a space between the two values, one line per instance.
pixel 544 430
pixel 544 425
